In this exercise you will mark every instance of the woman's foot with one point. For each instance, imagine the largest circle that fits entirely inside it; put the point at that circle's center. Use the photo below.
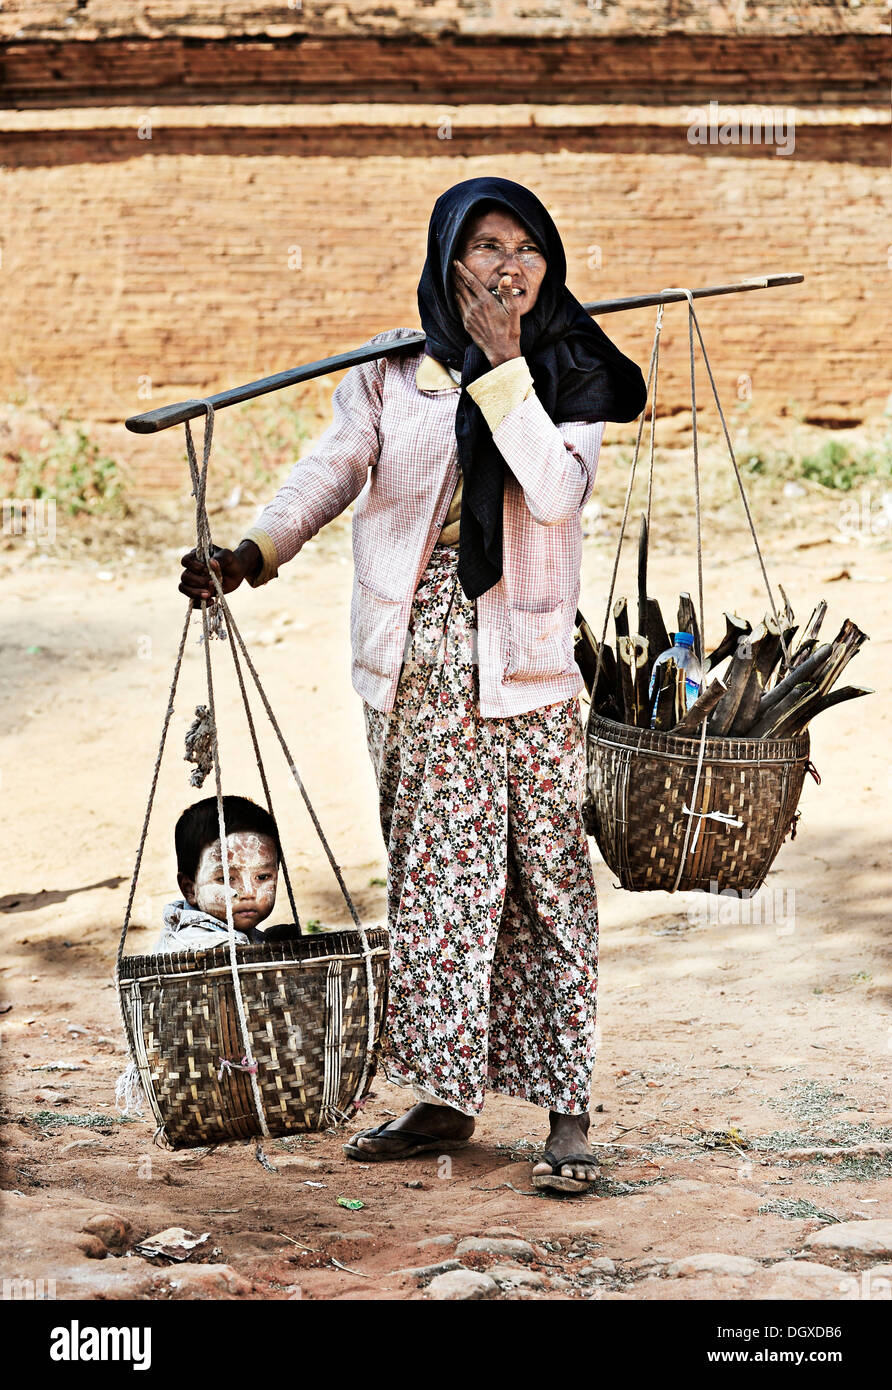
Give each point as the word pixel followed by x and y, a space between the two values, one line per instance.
pixel 567 1140
pixel 425 1127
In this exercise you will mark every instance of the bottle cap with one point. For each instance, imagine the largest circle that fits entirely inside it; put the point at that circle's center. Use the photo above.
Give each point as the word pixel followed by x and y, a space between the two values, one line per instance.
pixel 684 639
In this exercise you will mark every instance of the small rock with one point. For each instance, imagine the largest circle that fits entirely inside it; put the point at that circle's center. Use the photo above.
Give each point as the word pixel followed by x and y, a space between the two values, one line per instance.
pixel 499 1232
pixel 112 1230
pixel 92 1247
pixel 205 1281
pixel 330 1237
pixel 421 1272
pixel 306 1165
pixel 79 1145
pixel 792 489
pixel 189 1158
pixel 516 1277
pixel 496 1245
pixel 435 1240
pixel 416 1183
pixel 603 1265
pixel 461 1284
pixel 78 1032
pixel 709 1263
pixel 859 1237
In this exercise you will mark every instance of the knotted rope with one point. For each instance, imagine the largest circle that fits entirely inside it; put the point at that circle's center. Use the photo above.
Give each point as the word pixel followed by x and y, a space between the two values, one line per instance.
pixel 690 843
pixel 217 621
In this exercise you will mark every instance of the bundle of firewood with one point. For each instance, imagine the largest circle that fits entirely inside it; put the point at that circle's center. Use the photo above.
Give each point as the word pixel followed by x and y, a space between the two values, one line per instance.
pixel 771 685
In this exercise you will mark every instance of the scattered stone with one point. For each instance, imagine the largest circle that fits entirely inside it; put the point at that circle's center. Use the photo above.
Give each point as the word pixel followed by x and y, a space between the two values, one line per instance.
pixel 805 1279
pixel 416 1183
pixel 92 1247
pixel 174 1243
pixel 709 1263
pixel 858 1237
pixel 604 1265
pixel 330 1237
pixel 460 1284
pixel 498 1232
pixel 113 1231
pixel 79 1145
pixel 204 1281
pixel 495 1245
pixel 50 1097
pixel 435 1240
pixel 421 1272
pixel 514 1276
pixel 189 1158
pixel 298 1161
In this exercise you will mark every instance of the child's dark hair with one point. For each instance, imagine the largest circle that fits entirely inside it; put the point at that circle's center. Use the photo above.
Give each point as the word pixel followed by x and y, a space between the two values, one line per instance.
pixel 199 826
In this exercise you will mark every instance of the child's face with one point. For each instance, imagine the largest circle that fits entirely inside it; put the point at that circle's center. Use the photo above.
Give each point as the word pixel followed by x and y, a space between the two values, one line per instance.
pixel 253 875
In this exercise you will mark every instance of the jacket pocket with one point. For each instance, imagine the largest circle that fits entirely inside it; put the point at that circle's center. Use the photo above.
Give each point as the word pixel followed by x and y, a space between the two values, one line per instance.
pixel 376 632
pixel 540 645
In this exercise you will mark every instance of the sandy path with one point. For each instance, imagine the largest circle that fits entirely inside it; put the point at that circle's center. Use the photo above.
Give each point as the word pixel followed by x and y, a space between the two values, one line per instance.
pixel 706 1025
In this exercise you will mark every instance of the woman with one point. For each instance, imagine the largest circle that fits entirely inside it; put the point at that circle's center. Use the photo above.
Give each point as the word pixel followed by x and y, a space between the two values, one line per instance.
pixel 470 461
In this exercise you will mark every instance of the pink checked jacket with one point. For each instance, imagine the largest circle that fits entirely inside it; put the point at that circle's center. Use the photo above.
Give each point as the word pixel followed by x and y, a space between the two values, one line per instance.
pixel 391 449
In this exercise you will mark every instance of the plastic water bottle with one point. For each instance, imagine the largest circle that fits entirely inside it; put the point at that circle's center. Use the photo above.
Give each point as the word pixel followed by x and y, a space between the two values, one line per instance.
pixel 682 653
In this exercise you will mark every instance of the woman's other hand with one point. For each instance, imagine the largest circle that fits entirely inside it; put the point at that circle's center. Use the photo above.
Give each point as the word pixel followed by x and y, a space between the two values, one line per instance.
pixel 492 320
pixel 230 567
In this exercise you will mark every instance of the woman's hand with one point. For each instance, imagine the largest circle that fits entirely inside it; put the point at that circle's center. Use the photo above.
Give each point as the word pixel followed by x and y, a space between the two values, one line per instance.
pixel 493 321
pixel 230 567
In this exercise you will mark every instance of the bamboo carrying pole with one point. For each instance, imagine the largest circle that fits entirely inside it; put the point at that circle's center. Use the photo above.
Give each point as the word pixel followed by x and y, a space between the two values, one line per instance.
pixel 164 416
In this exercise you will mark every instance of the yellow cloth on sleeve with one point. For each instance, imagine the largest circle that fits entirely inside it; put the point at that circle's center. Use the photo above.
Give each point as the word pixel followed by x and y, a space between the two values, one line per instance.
pixel 266 546
pixel 499 391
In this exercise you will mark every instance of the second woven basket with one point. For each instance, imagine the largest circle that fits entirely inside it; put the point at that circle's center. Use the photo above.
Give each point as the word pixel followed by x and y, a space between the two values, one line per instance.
pixel 639 805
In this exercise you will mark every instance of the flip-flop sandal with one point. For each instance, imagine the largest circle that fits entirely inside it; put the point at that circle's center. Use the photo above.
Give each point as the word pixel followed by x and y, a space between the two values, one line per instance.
pixel 557 1182
pixel 413 1143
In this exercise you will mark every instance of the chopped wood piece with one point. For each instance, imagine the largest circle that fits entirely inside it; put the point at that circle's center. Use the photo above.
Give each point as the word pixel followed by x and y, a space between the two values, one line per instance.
pixel 847 642
pixel 748 708
pixel 654 629
pixel 766 648
pixel 585 651
pixel 621 627
pixel 687 622
pixel 797 720
pixel 667 700
pixel 768 724
pixel 736 682
pixel 701 709
pixel 805 671
pixel 632 657
pixel 735 628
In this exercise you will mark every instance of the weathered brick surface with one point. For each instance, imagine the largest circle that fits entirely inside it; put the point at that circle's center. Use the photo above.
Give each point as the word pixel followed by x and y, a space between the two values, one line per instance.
pixel 666 67
pixel 93 18
pixel 171 263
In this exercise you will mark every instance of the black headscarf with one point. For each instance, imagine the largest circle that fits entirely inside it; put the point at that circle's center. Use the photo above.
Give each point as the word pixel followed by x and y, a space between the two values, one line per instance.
pixel 577 371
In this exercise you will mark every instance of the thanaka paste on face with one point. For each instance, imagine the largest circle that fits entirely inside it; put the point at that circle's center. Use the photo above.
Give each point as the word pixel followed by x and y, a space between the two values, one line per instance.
pixel 253 877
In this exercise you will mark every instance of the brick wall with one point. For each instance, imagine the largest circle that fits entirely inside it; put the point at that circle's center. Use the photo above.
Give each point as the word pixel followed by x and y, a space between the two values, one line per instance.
pixel 170 260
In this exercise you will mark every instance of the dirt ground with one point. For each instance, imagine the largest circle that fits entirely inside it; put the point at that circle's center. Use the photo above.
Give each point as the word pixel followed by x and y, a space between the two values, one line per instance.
pixel 725 1044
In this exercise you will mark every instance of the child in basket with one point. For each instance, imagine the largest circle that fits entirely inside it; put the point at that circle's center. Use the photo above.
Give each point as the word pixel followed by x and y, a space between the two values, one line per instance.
pixel 197 921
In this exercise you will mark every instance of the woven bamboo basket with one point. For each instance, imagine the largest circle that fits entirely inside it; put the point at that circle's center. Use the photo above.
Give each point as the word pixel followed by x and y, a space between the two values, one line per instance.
pixel 639 805
pixel 307 1006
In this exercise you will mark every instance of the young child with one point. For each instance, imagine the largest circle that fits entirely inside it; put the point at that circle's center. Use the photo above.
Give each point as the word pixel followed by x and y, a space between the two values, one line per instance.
pixel 197 921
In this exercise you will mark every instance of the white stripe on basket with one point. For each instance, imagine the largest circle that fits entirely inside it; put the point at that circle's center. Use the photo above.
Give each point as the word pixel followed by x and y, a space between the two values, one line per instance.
pixel 334 1031
pixel 140 1055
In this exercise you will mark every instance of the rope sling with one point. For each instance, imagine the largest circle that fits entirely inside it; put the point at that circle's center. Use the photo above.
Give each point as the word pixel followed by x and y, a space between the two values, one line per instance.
pixel 218 622
pixel 611 827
